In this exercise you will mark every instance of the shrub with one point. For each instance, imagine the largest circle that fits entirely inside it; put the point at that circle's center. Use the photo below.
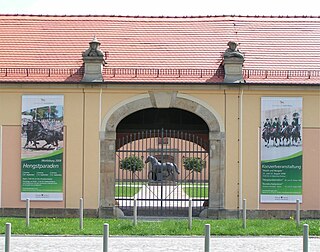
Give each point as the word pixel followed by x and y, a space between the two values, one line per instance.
pixel 193 164
pixel 132 163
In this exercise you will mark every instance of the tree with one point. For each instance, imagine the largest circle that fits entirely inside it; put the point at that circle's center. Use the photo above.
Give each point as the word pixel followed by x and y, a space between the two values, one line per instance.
pixel 52 112
pixel 132 163
pixel 193 164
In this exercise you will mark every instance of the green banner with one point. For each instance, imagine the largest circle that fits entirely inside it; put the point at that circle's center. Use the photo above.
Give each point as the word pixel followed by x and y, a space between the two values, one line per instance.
pixel 282 178
pixel 42 174
pixel 281 150
pixel 42 147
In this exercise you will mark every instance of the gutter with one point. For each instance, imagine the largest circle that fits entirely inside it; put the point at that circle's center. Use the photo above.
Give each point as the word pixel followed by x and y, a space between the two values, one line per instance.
pixel 95 84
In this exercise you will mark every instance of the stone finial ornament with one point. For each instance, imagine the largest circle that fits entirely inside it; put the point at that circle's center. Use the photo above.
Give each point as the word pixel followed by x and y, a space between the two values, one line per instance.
pixel 232 61
pixel 93 59
pixel 232 51
pixel 94 49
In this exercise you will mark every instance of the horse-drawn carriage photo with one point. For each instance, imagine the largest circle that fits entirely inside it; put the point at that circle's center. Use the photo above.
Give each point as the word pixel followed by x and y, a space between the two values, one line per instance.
pixel 36 133
pixel 41 128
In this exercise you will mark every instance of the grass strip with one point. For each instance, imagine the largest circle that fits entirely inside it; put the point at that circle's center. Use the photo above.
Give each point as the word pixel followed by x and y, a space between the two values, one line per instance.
pixel 196 192
pixel 125 227
pixel 126 191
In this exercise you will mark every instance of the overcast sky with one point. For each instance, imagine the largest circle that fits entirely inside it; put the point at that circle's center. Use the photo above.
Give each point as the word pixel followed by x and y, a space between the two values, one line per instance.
pixel 161 7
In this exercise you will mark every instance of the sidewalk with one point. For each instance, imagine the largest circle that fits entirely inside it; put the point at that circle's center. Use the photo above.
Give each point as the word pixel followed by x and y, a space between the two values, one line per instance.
pixel 157 244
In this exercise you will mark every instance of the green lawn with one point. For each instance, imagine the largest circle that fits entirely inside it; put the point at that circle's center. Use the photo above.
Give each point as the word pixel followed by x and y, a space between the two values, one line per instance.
pixel 196 192
pixel 126 191
pixel 200 191
pixel 94 226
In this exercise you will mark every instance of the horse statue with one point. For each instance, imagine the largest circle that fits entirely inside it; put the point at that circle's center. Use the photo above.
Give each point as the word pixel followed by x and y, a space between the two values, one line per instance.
pixel 36 132
pixel 166 169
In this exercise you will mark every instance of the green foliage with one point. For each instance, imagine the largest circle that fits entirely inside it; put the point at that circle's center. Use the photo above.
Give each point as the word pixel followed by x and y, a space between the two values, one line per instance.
pixel 94 226
pixel 193 164
pixel 43 112
pixel 132 163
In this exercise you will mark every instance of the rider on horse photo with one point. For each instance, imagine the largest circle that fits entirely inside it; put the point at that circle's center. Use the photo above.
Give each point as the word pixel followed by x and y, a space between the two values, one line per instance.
pixel 296 128
pixel 295 120
pixel 267 123
pixel 285 123
pixel 282 133
pixel 276 124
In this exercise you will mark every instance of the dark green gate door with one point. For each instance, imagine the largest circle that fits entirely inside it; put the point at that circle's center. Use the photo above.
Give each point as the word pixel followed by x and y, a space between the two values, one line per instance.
pixel 178 170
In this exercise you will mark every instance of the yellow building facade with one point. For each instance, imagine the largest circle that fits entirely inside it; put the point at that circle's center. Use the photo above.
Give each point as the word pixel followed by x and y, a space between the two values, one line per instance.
pixel 93 109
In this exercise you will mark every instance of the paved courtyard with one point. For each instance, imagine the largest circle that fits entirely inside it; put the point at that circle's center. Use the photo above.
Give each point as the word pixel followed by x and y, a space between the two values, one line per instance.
pixel 155 244
pixel 151 196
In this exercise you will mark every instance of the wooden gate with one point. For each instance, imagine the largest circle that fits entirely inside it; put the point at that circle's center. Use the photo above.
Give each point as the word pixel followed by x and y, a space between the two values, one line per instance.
pixel 179 170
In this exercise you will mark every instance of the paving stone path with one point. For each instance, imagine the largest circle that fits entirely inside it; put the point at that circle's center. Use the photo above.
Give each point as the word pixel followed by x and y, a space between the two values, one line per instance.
pixel 157 244
pixel 168 193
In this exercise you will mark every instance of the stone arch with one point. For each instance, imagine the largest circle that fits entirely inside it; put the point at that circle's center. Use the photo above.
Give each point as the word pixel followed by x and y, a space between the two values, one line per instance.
pixel 161 100
pixel 175 100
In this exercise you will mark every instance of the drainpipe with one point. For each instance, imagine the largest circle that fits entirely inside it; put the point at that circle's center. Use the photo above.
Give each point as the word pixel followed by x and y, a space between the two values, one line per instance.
pixel 240 146
pixel 259 165
pixel 83 138
pixel 100 104
pixel 99 146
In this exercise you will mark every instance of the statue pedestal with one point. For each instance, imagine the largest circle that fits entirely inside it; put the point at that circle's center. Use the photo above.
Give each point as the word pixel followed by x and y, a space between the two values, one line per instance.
pixel 233 70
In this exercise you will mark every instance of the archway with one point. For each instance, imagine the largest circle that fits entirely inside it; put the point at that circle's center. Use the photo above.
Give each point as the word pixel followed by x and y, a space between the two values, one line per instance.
pixel 161 100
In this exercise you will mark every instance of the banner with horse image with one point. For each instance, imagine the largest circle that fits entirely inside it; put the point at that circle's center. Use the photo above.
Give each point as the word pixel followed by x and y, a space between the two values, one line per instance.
pixel 281 149
pixel 42 147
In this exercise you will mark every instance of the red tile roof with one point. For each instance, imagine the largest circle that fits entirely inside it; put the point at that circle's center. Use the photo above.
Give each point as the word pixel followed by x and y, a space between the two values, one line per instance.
pixel 170 49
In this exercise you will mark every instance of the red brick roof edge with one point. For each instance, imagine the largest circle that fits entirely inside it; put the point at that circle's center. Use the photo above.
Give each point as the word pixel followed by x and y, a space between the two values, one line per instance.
pixel 277 49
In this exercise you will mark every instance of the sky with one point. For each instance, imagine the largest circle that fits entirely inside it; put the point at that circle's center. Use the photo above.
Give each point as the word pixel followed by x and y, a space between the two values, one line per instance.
pixel 162 7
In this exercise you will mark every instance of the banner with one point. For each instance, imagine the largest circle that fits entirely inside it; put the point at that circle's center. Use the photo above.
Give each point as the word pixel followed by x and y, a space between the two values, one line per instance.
pixel 42 147
pixel 281 149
